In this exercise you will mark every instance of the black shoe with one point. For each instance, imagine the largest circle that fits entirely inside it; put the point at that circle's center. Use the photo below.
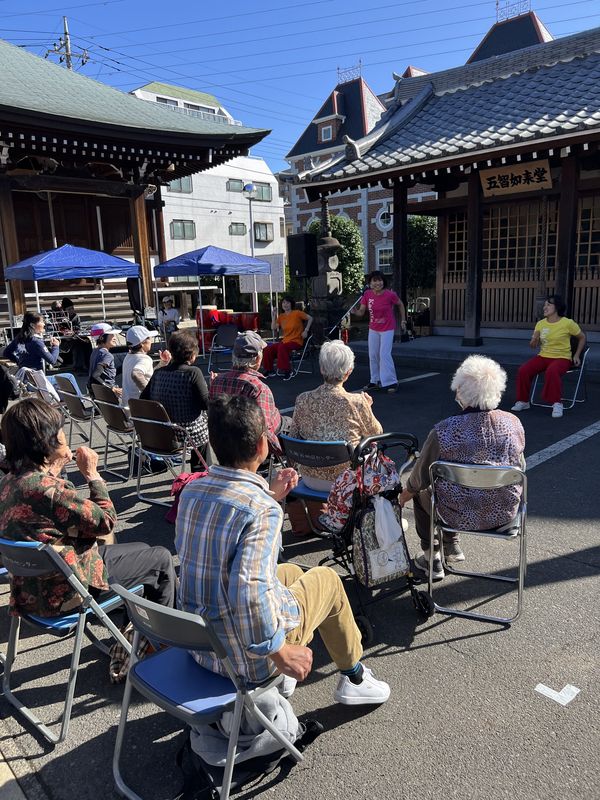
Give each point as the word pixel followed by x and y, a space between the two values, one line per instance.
pixel 391 389
pixel 372 387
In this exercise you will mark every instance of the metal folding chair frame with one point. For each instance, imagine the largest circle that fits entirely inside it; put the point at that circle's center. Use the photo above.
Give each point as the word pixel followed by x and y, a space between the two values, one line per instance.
pixel 472 476
pixel 568 402
pixel 35 558
pixel 217 349
pixel 180 630
pixel 296 363
pixel 121 434
pixel 77 406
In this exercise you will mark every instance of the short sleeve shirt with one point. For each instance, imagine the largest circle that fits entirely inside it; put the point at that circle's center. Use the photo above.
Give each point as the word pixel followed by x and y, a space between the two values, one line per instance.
pixel 135 362
pixel 292 325
pixel 555 337
pixel 381 309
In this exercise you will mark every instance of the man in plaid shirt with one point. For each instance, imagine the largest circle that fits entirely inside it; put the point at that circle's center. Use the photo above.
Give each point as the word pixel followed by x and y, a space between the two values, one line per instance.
pixel 228 537
pixel 245 379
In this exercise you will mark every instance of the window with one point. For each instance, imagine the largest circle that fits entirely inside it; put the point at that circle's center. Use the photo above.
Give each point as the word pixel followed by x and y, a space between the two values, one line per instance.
pixel 385 259
pixel 383 220
pixel 166 101
pixel 263 231
pixel 183 229
pixel 183 185
pixel 237 229
pixel 194 107
pixel 263 192
pixel 326 133
pixel 282 227
pixel 235 185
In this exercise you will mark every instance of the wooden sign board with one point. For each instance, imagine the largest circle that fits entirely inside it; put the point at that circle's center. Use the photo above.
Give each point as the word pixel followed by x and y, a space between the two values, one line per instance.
pixel 529 177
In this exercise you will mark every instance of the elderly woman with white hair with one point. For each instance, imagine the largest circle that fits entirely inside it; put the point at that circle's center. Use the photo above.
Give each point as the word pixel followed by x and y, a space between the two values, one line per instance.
pixel 329 413
pixel 479 434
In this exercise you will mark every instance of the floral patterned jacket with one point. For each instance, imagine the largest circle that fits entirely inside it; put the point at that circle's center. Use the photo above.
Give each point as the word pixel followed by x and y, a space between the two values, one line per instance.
pixel 36 506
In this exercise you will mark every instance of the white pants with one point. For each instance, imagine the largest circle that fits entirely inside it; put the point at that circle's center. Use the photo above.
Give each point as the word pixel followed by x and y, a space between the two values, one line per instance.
pixel 381 362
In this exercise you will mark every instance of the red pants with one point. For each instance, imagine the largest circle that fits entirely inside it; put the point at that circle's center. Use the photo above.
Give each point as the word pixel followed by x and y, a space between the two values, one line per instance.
pixel 554 368
pixel 280 351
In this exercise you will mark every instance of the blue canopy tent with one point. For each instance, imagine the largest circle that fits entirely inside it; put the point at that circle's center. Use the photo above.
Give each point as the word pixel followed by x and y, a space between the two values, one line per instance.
pixel 69 262
pixel 211 261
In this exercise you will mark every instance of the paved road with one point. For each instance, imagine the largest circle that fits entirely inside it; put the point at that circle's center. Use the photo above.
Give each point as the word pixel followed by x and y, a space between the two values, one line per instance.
pixel 464 719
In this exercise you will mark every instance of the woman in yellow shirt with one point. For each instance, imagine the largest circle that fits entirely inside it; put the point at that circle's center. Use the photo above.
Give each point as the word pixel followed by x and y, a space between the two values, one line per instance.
pixel 553 336
pixel 291 323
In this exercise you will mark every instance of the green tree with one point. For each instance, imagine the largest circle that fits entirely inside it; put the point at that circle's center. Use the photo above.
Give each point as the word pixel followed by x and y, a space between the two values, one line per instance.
pixel 351 255
pixel 421 252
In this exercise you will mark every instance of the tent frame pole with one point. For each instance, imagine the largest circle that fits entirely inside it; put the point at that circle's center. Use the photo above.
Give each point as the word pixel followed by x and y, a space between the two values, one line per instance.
pixel 201 317
pixel 102 299
pixel 37 297
pixel 11 310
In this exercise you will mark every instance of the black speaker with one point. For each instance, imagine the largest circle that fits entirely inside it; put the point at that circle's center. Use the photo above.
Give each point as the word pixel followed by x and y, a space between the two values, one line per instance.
pixel 302 255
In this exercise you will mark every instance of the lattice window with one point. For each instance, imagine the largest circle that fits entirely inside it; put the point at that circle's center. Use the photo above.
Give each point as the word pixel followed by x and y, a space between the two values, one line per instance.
pixel 457 243
pixel 513 237
pixel 587 259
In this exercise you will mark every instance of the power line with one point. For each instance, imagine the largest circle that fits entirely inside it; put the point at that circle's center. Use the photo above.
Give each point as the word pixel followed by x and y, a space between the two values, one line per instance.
pixel 62 8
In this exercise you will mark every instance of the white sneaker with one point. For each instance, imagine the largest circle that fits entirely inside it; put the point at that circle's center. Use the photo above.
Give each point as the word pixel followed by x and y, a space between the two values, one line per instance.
pixel 287 687
pixel 557 410
pixel 369 691
pixel 520 405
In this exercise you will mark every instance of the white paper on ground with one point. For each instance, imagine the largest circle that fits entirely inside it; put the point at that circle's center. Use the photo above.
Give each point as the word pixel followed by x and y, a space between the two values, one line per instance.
pixel 563 697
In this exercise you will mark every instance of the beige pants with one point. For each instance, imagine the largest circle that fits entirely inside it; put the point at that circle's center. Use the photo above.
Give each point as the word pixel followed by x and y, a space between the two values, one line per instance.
pixel 324 606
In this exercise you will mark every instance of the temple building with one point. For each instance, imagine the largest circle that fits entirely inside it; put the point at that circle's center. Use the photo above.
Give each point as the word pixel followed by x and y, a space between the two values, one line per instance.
pixel 509 143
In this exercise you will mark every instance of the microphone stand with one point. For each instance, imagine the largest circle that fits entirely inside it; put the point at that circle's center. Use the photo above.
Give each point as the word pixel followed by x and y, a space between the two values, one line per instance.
pixel 345 314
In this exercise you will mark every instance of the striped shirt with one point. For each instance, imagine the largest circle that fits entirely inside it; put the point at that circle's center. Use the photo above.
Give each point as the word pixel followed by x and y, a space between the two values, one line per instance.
pixel 228 536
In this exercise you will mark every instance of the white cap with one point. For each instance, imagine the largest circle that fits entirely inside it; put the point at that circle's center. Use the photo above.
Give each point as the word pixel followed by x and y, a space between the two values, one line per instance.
pixel 138 334
pixel 168 299
pixel 102 328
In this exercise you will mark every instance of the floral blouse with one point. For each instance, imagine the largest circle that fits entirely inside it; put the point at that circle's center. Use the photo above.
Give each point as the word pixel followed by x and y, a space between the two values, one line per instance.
pixel 329 413
pixel 36 506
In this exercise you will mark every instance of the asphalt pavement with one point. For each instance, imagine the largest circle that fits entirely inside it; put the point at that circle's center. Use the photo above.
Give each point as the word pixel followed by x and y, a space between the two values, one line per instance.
pixel 464 720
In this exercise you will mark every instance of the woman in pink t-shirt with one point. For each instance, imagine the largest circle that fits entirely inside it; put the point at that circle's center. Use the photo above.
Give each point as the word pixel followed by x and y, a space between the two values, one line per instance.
pixel 381 304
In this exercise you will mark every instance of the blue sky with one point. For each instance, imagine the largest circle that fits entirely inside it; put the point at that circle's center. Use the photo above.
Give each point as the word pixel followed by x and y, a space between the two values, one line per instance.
pixel 271 63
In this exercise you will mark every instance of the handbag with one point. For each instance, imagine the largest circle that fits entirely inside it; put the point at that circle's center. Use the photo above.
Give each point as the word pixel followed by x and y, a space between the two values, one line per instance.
pixel 374 564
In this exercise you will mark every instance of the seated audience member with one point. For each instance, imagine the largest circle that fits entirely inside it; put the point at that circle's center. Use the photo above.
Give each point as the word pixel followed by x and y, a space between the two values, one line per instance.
pixel 27 349
pixel 79 346
pixel 479 434
pixel 102 362
pixel 181 388
pixel 138 367
pixel 291 324
pixel 228 537
pixel 168 317
pixel 37 505
pixel 553 336
pixel 329 413
pixel 244 378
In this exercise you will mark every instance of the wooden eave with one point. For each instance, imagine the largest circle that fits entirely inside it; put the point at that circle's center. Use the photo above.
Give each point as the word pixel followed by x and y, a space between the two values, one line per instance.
pixel 428 171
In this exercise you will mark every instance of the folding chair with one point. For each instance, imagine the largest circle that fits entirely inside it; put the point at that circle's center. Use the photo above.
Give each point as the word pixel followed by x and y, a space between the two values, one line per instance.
pixel 118 423
pixel 3 579
pixel 157 437
pixel 175 682
pixel 38 384
pixel 470 476
pixel 297 358
pixel 222 343
pixel 579 375
pixel 80 408
pixel 36 559
pixel 302 452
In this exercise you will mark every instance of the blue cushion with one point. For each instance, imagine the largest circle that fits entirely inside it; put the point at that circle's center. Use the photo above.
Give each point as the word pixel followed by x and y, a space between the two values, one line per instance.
pixel 302 490
pixel 68 621
pixel 174 677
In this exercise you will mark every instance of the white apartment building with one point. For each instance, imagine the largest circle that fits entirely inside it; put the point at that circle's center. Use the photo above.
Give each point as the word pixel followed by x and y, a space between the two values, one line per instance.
pixel 211 208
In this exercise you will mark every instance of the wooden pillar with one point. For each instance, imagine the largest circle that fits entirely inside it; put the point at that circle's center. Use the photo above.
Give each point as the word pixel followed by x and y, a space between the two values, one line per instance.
pixel 10 245
pixel 567 229
pixel 160 226
pixel 400 234
pixel 141 250
pixel 472 333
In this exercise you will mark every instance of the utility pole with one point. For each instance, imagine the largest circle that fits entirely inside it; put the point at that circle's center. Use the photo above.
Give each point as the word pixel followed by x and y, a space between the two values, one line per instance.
pixel 63 49
pixel 68 57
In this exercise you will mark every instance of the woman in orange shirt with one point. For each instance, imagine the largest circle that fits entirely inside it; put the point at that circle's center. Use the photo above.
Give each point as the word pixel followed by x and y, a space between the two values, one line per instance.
pixel 291 324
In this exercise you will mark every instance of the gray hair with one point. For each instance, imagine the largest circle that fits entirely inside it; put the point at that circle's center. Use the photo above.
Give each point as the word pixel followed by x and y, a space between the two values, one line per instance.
pixel 240 363
pixel 335 360
pixel 479 382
